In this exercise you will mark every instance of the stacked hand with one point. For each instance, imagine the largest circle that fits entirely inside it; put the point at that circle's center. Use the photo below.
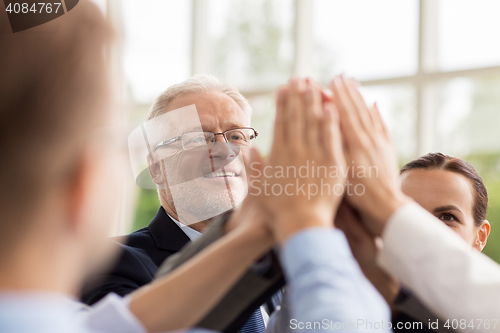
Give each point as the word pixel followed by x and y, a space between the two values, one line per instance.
pixel 316 132
pixel 306 135
pixel 369 151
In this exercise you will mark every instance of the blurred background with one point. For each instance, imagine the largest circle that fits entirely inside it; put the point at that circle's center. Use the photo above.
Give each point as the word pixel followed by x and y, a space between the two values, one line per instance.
pixel 433 66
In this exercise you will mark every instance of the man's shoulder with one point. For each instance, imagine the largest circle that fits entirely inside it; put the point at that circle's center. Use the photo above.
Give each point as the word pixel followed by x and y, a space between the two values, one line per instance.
pixel 139 239
pixel 140 248
pixel 136 266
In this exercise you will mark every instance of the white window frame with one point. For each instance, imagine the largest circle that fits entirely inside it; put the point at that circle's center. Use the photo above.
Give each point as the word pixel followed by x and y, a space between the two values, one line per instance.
pixel 427 72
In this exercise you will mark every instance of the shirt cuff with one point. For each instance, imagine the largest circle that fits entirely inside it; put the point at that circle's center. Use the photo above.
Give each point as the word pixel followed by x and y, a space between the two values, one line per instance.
pixel 112 314
pixel 313 246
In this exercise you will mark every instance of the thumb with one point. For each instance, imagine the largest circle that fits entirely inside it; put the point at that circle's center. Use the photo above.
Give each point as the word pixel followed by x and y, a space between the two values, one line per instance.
pixel 254 164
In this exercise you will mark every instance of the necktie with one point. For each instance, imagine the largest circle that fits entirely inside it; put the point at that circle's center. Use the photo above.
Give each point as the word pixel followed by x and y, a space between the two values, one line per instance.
pixel 255 323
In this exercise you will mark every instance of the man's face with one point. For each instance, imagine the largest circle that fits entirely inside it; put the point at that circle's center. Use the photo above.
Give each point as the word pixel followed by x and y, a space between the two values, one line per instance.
pixel 203 183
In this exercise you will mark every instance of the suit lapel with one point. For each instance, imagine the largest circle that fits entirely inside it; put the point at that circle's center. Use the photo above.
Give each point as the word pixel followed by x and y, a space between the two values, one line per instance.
pixel 166 233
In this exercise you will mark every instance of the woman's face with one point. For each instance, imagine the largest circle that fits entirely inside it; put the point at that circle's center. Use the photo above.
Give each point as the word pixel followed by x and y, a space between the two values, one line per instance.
pixel 450 197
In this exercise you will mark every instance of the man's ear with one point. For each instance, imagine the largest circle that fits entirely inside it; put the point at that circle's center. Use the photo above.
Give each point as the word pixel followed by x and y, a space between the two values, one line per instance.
pixel 155 170
pixel 482 235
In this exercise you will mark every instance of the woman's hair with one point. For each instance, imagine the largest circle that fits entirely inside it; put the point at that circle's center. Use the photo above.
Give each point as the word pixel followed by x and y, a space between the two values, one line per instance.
pixel 455 164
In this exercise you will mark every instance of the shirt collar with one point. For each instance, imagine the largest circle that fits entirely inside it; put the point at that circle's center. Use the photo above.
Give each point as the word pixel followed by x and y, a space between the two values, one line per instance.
pixel 190 232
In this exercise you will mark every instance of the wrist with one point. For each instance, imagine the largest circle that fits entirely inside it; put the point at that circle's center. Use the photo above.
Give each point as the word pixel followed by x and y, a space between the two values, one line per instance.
pixel 387 286
pixel 384 209
pixel 256 237
pixel 286 226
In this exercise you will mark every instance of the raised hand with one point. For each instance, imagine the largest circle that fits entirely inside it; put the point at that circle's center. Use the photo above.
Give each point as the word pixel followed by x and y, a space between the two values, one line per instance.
pixel 296 185
pixel 369 151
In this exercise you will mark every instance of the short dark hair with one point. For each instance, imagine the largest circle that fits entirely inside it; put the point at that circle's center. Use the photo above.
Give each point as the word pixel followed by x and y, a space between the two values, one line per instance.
pixel 460 166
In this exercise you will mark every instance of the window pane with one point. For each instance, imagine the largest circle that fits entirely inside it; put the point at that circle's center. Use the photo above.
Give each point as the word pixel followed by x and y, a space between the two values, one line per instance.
pixel 397 107
pixel 264 107
pixel 396 104
pixel 366 39
pixel 468 33
pixel 251 42
pixel 157 48
pixel 468 114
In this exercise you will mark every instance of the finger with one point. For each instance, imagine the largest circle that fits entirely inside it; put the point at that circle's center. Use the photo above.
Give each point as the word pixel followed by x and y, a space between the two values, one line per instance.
pixel 254 166
pixel 359 102
pixel 326 96
pixel 378 122
pixel 349 122
pixel 280 128
pixel 295 113
pixel 330 130
pixel 313 112
pixel 339 152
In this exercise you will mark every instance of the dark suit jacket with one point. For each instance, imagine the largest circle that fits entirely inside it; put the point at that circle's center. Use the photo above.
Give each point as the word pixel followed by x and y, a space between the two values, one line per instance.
pixel 142 253
pixel 261 284
pixel 146 249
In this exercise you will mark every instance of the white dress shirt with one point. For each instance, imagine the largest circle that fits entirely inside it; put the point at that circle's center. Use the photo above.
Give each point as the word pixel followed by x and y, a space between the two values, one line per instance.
pixel 190 232
pixel 453 280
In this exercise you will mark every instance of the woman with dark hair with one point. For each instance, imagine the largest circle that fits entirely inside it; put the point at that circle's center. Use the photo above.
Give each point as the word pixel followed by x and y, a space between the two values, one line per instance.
pixel 457 283
pixel 450 189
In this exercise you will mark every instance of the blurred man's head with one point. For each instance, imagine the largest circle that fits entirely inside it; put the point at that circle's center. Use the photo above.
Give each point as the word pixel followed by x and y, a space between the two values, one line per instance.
pixel 55 172
pixel 196 183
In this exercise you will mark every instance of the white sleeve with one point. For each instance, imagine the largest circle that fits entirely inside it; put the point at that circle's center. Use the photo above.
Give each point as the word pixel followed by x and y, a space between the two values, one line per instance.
pixel 112 315
pixel 445 273
pixel 109 315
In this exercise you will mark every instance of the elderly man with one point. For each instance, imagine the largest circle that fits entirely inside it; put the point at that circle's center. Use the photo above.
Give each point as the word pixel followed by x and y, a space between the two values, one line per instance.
pixel 60 173
pixel 196 132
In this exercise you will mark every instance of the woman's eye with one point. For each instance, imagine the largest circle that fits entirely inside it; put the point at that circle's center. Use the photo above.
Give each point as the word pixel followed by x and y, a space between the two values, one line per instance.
pixel 448 217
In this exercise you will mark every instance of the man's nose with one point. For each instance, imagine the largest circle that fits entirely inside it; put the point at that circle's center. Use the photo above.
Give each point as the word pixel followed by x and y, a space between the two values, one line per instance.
pixel 222 149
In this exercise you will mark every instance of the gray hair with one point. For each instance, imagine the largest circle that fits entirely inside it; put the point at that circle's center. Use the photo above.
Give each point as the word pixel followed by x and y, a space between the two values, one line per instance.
pixel 198 83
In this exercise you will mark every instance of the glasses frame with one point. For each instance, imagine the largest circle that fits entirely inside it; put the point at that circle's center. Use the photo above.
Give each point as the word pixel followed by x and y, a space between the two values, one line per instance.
pixel 179 138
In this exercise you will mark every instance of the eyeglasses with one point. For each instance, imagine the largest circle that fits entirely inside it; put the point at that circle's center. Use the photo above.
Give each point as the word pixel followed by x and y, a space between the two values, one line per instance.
pixel 200 140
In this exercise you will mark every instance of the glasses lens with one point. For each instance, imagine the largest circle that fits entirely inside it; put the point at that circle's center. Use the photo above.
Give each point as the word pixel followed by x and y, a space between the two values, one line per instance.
pixel 194 140
pixel 240 136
